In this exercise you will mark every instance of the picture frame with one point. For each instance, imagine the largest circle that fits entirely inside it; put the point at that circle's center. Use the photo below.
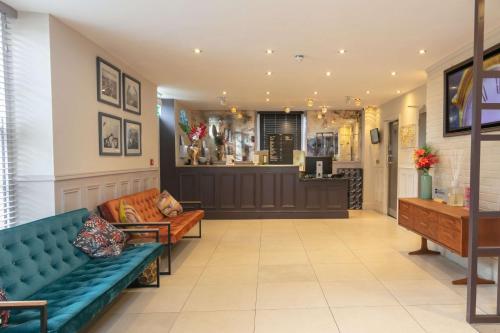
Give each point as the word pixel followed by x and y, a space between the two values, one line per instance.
pixel 108 83
pixel 131 94
pixel 110 135
pixel 132 133
pixel 457 102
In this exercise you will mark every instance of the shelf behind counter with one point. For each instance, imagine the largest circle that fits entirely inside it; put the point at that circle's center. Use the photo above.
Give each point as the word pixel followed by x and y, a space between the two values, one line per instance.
pixel 263 191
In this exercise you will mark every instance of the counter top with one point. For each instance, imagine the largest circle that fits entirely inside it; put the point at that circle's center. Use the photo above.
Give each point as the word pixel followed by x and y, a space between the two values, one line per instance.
pixel 239 165
pixel 329 179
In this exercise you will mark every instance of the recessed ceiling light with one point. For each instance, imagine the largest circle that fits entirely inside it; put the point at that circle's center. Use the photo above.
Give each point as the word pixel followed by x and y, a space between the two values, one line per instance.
pixel 310 102
pixel 269 73
pixel 393 73
pixel 342 51
pixel 368 92
pixel 269 51
pixel 422 51
pixel 224 92
pixel 287 110
pixel 268 99
pixel 197 51
pixel 268 93
pixel 328 73
pixel 398 91
pixel 315 93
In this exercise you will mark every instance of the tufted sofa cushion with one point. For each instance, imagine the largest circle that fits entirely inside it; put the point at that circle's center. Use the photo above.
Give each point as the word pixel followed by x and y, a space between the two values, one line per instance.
pixel 143 202
pixel 36 254
pixel 74 299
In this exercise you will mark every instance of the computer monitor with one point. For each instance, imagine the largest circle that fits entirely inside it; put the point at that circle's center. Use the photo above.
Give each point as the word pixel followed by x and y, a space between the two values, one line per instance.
pixel 311 164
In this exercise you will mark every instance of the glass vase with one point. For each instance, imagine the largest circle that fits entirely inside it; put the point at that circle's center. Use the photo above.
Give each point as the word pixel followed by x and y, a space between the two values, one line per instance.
pixel 425 185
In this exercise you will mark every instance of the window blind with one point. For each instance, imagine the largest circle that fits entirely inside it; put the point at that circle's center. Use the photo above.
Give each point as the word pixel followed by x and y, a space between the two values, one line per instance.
pixel 280 123
pixel 7 130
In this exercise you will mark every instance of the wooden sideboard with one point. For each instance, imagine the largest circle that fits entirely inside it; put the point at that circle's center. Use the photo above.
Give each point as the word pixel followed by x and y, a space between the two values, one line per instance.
pixel 445 225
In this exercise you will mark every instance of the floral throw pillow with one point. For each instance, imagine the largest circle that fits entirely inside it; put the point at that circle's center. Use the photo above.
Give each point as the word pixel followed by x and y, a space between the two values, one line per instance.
pixel 98 238
pixel 128 214
pixel 4 314
pixel 167 205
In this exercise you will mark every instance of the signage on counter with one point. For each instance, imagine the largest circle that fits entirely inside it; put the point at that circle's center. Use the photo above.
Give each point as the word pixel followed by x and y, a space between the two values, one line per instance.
pixel 281 148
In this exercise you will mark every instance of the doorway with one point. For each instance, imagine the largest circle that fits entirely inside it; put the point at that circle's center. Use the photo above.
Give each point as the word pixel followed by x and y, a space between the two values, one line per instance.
pixel 392 161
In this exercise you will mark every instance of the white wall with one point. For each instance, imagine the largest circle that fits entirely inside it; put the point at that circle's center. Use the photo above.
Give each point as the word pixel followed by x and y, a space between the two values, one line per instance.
pixel 59 165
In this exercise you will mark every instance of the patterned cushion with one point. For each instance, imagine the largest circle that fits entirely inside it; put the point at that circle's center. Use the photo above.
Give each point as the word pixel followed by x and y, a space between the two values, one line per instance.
pixel 4 314
pixel 98 238
pixel 128 214
pixel 149 275
pixel 168 205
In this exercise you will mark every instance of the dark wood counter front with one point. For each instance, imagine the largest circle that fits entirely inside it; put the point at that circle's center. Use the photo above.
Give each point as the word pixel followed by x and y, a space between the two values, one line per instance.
pixel 254 192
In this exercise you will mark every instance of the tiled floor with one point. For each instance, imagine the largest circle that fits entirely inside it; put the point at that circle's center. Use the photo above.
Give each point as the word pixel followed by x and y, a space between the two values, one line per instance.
pixel 314 276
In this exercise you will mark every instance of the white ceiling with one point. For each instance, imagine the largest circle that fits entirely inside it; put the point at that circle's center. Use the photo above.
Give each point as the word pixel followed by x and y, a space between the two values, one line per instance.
pixel 158 37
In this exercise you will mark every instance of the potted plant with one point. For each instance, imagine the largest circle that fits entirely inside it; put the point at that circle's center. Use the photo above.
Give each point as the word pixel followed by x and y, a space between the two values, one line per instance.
pixel 424 159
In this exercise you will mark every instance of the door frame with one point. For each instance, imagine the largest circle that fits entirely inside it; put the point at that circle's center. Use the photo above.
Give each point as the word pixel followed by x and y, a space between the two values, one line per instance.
pixel 388 182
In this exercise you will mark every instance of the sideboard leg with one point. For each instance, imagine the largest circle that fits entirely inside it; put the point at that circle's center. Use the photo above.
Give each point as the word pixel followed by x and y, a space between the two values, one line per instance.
pixel 463 281
pixel 424 250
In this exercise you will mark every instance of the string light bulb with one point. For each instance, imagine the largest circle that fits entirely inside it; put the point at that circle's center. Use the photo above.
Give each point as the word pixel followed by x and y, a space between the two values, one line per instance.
pixel 234 110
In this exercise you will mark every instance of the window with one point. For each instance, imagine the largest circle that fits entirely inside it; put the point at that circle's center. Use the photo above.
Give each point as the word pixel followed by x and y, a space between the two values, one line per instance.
pixel 280 123
pixel 7 157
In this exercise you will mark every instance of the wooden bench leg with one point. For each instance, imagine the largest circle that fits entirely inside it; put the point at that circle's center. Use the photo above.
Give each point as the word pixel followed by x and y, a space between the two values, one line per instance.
pixel 424 250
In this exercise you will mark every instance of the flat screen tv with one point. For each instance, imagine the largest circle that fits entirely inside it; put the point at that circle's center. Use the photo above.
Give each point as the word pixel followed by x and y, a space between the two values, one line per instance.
pixel 375 136
pixel 458 95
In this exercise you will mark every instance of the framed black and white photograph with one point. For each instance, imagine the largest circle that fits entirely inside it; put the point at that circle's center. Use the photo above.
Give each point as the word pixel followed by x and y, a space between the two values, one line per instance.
pixel 131 94
pixel 110 135
pixel 108 83
pixel 133 138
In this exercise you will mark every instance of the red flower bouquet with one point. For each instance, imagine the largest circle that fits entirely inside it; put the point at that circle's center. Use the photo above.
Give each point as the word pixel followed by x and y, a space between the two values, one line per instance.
pixel 424 158
pixel 197 132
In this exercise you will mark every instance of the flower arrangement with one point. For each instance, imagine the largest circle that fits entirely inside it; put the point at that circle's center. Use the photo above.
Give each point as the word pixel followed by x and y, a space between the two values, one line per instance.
pixel 194 132
pixel 425 158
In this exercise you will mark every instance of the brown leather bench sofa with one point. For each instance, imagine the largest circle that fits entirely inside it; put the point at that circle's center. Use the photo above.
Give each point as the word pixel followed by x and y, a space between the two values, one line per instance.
pixel 172 229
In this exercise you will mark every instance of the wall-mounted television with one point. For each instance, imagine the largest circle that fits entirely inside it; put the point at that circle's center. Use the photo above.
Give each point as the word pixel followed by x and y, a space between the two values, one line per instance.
pixel 375 135
pixel 458 95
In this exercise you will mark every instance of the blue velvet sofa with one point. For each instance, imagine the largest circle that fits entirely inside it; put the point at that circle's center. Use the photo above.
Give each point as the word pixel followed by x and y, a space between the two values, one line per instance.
pixel 53 286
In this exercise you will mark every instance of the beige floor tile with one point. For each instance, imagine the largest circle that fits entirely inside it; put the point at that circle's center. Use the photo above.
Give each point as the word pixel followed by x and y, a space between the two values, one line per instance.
pixel 392 319
pixel 339 255
pixel 281 245
pixel 420 292
pixel 290 295
pixel 132 323
pixel 283 258
pixel 144 300
pixel 221 297
pixel 398 270
pixel 441 318
pixel 357 293
pixel 234 258
pixel 221 275
pixel 214 322
pixel 182 276
pixel 342 272
pixel 286 273
pixel 295 321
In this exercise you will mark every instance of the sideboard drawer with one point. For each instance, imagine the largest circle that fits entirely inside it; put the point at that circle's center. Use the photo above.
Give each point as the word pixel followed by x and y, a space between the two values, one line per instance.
pixel 450 233
pixel 426 222
pixel 404 215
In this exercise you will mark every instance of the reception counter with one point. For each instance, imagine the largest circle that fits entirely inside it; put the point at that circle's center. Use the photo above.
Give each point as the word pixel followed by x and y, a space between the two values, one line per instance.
pixel 255 192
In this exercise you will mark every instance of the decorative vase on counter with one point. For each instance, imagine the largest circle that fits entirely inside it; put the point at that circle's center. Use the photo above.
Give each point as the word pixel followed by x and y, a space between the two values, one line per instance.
pixel 425 185
pixel 194 152
pixel 220 152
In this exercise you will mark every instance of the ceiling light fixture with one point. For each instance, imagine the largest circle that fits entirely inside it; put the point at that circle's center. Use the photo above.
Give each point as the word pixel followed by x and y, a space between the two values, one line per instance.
pixel 368 92
pixel 320 116
pixel 315 93
pixel 342 51
pixel 239 116
pixel 310 102
pixel 268 93
pixel 324 109
pixel 268 99
pixel 269 73
pixel 299 57
pixel 328 73
pixel 197 51
pixel 269 51
pixel 287 109
pixel 422 51
pixel 393 73
pixel 398 91
pixel 234 110
pixel 224 92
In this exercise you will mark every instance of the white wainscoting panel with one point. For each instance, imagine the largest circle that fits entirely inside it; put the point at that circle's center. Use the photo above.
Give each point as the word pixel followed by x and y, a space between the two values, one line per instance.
pixel 89 191
pixel 408 182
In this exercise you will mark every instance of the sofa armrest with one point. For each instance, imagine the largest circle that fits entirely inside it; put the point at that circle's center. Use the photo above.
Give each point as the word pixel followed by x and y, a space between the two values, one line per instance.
pixel 20 305
pixel 148 224
pixel 144 231
pixel 190 205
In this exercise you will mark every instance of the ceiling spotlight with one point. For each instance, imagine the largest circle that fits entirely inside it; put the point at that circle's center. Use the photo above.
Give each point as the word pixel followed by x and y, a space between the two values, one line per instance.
pixel 197 51
pixel 342 51
pixel 324 109
pixel 368 92
pixel 357 101
pixel 222 100
pixel 268 93
pixel 315 93
pixel 269 73
pixel 269 51
pixel 287 109
pixel 320 116
pixel 234 110
pixel 393 73
pixel 224 92
pixel 422 51
pixel 310 102
pixel 398 91
pixel 328 73
pixel 299 57
pixel 268 99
